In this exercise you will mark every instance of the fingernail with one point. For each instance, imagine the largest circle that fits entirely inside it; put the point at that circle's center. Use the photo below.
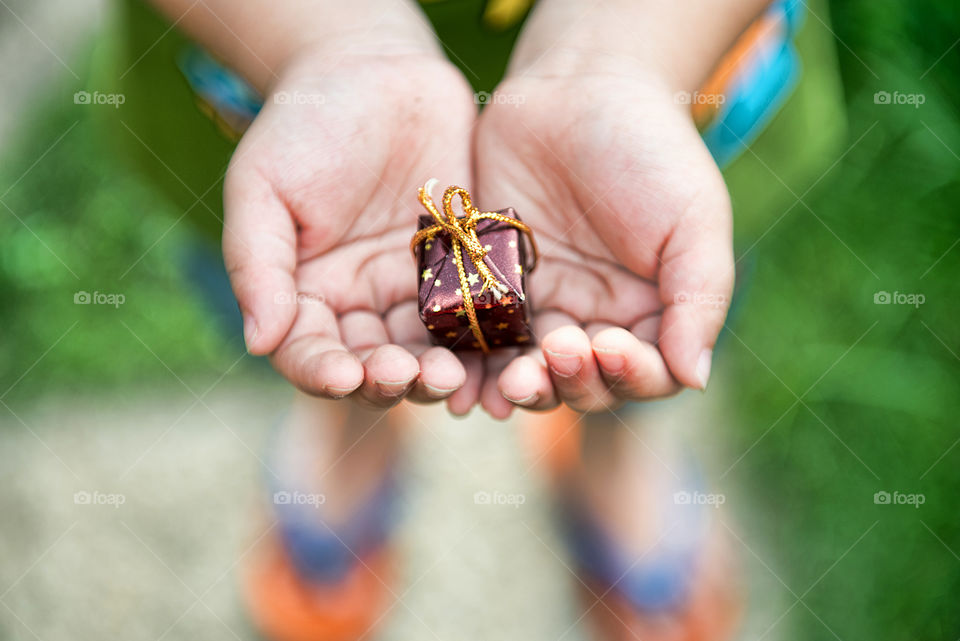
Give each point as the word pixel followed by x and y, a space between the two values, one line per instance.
pixel 439 391
pixel 703 367
pixel 337 392
pixel 250 330
pixel 612 361
pixel 392 388
pixel 565 365
pixel 527 400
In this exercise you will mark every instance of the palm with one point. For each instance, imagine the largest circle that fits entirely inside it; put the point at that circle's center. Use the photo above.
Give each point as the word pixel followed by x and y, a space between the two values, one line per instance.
pixel 337 161
pixel 613 183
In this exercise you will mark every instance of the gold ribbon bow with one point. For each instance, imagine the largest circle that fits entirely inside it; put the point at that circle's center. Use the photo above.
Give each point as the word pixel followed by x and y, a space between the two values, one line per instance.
pixel 463 236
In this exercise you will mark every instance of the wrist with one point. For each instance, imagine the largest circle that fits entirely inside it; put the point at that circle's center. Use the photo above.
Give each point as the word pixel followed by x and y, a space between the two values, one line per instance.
pixel 676 44
pixel 263 41
pixel 314 60
pixel 577 64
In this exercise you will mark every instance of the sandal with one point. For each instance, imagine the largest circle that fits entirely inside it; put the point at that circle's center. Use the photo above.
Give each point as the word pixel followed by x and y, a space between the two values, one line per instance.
pixel 313 580
pixel 682 588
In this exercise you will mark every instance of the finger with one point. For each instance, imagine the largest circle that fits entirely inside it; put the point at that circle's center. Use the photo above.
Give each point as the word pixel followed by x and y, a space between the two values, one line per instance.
pixel 632 369
pixel 313 358
pixel 321 367
pixel 259 251
pixel 404 325
pixel 696 281
pixel 490 397
pixel 648 329
pixel 574 370
pixel 441 374
pixel 390 372
pixel 362 332
pixel 592 329
pixel 461 401
pixel 526 382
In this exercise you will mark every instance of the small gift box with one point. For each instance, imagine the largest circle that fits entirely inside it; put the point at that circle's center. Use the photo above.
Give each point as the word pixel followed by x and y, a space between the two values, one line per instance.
pixel 471 274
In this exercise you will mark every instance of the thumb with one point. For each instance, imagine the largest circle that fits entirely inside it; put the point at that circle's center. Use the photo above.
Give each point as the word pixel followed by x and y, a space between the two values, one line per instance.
pixel 696 282
pixel 260 253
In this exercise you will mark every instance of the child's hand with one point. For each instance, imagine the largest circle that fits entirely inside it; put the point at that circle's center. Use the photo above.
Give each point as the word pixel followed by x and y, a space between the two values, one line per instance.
pixel 633 222
pixel 591 146
pixel 319 215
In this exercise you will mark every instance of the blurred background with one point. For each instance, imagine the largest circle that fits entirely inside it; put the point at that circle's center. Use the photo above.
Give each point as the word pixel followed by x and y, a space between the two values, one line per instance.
pixel 831 422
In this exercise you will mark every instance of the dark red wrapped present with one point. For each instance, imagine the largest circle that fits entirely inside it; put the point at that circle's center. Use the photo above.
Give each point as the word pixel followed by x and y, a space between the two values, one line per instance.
pixel 485 254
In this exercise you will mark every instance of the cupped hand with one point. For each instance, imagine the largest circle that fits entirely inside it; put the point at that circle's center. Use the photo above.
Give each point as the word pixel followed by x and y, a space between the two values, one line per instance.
pixel 320 207
pixel 634 227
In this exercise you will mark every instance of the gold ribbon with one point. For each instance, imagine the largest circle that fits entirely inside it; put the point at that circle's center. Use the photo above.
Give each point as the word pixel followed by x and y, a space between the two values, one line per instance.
pixel 463 236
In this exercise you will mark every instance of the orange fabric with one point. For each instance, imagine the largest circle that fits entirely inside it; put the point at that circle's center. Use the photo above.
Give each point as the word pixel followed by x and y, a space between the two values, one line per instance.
pixel 285 608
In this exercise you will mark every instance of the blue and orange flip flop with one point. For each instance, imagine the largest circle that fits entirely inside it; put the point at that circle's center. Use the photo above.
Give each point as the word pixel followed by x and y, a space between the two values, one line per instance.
pixel 314 580
pixel 684 588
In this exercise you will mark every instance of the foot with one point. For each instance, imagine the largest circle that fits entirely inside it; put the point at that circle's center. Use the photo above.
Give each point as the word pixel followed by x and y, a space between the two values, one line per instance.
pixel 324 571
pixel 651 565
pixel 338 452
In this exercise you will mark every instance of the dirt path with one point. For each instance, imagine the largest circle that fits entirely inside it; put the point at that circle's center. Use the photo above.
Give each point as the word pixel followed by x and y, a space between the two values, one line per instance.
pixel 127 518
pixel 178 484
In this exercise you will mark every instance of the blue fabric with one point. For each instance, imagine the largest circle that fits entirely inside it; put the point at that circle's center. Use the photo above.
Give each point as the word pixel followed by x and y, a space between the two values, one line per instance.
pixel 229 95
pixel 767 79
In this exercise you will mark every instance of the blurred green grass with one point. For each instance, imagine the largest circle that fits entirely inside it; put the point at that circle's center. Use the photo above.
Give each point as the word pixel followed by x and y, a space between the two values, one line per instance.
pixel 877 384
pixel 78 219
pixel 882 404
